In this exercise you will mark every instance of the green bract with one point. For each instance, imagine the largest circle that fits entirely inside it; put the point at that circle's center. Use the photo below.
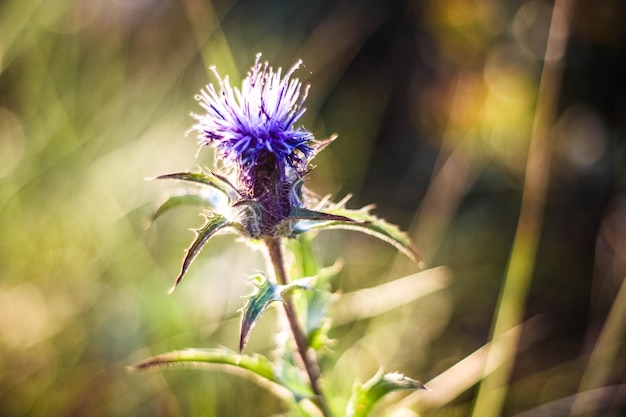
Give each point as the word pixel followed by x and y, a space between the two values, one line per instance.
pixel 227 211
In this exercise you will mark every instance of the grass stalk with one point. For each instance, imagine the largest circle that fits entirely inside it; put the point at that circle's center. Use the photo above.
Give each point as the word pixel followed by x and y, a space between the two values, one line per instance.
pixel 509 313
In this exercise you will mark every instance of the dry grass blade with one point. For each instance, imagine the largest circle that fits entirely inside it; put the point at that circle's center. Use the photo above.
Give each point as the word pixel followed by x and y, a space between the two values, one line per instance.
pixel 370 302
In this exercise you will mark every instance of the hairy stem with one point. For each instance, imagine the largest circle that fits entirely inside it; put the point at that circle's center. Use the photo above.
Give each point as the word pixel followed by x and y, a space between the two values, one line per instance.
pixel 309 362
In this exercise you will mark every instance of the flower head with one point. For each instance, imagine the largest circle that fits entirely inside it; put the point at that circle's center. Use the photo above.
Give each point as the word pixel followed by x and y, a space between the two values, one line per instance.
pixel 254 129
pixel 255 126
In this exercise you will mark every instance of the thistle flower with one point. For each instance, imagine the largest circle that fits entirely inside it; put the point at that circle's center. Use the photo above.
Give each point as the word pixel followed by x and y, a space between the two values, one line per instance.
pixel 267 157
pixel 255 127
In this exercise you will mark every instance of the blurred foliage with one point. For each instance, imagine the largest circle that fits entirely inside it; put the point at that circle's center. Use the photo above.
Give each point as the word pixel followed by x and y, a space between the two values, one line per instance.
pixel 433 101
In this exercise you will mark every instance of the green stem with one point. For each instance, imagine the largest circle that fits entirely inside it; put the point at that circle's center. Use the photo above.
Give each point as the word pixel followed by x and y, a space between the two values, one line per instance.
pixel 309 361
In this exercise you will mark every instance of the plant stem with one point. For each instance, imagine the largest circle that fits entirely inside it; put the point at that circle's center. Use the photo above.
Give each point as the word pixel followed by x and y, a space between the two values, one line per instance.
pixel 309 362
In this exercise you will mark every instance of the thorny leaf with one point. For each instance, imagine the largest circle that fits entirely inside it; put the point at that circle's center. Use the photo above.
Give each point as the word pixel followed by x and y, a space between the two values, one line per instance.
pixel 257 303
pixel 186 199
pixel 283 373
pixel 189 358
pixel 214 223
pixel 301 213
pixel 212 180
pixel 363 220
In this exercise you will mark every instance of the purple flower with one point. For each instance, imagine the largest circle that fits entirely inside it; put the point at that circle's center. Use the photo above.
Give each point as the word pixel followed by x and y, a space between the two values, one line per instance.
pixel 254 129
pixel 255 126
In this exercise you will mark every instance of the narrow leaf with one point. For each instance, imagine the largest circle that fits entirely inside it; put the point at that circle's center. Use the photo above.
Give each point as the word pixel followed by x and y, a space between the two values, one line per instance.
pixel 257 368
pixel 257 303
pixel 214 223
pixel 363 221
pixel 189 358
pixel 365 396
pixel 386 232
pixel 300 213
pixel 212 180
pixel 179 200
pixel 289 373
pixel 224 180
pixel 255 306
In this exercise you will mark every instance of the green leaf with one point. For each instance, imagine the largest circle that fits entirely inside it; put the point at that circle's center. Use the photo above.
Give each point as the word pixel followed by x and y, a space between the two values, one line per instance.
pixel 300 213
pixel 212 180
pixel 187 199
pixel 365 396
pixel 189 358
pixel 289 373
pixel 305 264
pixel 316 320
pixel 257 303
pixel 255 306
pixel 313 305
pixel 214 223
pixel 282 380
pixel 364 221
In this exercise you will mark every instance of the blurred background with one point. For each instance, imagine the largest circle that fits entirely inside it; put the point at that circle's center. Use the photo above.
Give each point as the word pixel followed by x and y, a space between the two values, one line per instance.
pixel 433 102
